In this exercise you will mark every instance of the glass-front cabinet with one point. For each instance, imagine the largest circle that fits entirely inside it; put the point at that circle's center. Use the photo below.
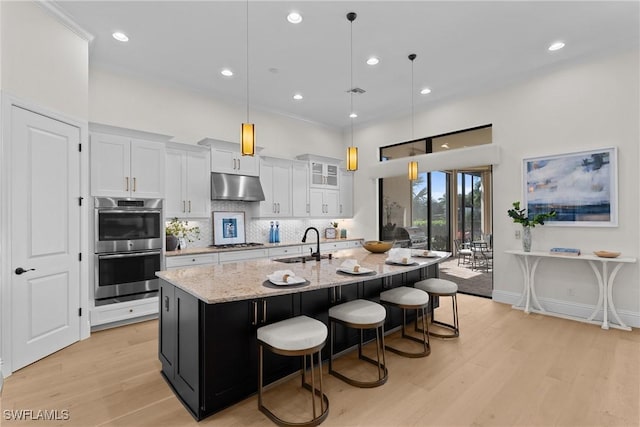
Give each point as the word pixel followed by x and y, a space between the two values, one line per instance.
pixel 324 171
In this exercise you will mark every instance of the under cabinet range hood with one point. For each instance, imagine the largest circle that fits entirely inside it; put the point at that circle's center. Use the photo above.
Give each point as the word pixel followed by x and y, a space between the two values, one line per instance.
pixel 225 186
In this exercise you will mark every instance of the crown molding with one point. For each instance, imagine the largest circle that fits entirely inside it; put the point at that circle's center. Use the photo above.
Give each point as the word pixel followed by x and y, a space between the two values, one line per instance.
pixel 55 11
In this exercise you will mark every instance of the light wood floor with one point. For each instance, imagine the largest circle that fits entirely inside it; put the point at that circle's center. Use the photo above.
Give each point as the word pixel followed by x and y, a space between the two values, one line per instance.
pixel 506 369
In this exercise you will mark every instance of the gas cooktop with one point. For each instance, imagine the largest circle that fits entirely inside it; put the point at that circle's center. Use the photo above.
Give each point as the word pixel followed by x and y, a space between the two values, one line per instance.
pixel 236 245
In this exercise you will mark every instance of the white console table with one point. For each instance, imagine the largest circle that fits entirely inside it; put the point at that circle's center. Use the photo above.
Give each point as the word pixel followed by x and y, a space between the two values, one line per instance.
pixel 529 263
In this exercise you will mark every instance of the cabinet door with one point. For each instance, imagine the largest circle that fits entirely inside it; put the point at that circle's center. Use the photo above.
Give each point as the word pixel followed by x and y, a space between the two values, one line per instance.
pixel 147 169
pixel 175 183
pixel 110 165
pixel 198 193
pixel 168 334
pixel 186 378
pixel 346 194
pixel 224 161
pixel 331 203
pixel 282 189
pixel 316 202
pixel 331 176
pixel 267 206
pixel 248 165
pixel 300 190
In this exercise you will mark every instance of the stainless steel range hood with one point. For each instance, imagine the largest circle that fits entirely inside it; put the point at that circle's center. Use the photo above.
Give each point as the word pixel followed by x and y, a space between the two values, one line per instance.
pixel 225 186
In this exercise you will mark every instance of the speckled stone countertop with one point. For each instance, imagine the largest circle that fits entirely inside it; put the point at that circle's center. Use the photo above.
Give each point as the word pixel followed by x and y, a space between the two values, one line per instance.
pixel 208 250
pixel 246 280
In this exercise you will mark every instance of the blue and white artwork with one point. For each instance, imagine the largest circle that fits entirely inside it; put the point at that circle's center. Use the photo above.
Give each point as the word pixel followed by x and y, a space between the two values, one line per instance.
pixel 580 187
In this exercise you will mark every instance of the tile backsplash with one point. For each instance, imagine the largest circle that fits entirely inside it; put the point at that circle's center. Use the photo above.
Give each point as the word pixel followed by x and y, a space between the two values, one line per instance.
pixel 257 230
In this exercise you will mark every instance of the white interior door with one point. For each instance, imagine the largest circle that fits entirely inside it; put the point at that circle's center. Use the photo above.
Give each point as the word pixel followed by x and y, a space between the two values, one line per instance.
pixel 45 236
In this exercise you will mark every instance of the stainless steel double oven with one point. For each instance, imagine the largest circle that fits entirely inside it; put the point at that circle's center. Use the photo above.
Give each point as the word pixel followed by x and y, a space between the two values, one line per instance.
pixel 128 248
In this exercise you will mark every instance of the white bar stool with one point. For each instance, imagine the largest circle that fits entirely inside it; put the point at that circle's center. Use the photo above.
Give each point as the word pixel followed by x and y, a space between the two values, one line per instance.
pixel 298 336
pixel 442 288
pixel 409 299
pixel 360 314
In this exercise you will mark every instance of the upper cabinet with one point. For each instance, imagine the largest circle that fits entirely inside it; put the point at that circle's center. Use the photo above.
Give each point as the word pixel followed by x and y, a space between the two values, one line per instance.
pixel 276 180
pixel 300 206
pixel 123 166
pixel 226 158
pixel 187 182
pixel 324 171
pixel 345 209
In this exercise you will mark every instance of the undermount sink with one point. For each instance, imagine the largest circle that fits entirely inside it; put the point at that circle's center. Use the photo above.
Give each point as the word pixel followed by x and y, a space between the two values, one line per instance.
pixel 296 259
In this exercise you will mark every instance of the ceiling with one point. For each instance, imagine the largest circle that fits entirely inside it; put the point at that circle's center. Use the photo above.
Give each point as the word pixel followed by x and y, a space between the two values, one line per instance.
pixel 462 48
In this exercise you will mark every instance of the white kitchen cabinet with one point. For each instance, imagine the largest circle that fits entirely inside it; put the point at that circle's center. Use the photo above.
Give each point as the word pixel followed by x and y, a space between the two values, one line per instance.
pixel 285 251
pixel 345 210
pixel 300 207
pixel 324 203
pixel 181 261
pixel 187 181
pixel 275 177
pixel 125 167
pixel 324 172
pixel 234 256
pixel 226 158
pixel 339 245
pixel 111 315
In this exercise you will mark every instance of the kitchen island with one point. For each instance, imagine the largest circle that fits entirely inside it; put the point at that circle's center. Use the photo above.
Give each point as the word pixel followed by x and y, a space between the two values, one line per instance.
pixel 209 316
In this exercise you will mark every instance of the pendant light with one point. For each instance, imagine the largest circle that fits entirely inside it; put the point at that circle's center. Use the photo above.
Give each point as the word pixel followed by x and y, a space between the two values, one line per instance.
pixel 352 152
pixel 247 133
pixel 413 166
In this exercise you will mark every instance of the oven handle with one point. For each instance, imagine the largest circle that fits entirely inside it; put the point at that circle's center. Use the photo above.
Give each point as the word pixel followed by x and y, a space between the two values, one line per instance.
pixel 129 254
pixel 120 210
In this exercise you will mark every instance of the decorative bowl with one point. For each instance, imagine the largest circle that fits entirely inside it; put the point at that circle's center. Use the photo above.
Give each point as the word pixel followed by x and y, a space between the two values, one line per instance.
pixel 377 247
pixel 607 254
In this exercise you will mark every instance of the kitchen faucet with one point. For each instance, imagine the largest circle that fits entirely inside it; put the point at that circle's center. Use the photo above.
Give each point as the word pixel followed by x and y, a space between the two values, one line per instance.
pixel 304 239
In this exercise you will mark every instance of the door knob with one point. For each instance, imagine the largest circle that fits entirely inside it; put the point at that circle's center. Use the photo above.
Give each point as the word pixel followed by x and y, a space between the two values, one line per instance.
pixel 21 270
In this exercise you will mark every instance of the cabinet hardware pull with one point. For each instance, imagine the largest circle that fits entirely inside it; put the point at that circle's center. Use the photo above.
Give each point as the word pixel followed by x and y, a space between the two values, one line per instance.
pixel 134 184
pixel 166 303
pixel 278 207
pixel 126 178
pixel 254 321
pixel 308 208
pixel 183 206
pixel 234 164
pixel 238 164
pixel 273 208
pixel 189 206
pixel 264 311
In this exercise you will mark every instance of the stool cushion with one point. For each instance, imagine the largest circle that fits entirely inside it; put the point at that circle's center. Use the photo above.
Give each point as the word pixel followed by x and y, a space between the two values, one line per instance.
pixel 358 312
pixel 437 286
pixel 297 333
pixel 405 296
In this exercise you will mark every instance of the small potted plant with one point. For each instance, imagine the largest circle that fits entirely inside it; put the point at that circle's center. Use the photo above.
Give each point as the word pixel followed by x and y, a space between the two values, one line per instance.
pixel 520 216
pixel 177 230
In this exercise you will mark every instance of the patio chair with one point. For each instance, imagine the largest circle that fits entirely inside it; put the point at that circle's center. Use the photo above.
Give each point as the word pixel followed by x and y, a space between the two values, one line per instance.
pixel 464 252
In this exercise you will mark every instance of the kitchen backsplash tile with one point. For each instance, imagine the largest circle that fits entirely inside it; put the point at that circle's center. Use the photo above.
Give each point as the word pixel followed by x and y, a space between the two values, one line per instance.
pixel 291 230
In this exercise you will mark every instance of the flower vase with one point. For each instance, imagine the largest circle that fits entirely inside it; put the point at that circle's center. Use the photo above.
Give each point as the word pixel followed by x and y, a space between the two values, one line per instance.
pixel 526 239
pixel 172 243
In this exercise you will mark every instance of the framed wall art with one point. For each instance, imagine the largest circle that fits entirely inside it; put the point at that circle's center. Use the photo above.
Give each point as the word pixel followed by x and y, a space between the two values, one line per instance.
pixel 228 228
pixel 581 187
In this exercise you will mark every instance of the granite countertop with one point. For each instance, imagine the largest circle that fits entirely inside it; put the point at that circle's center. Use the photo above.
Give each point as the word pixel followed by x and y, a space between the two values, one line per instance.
pixel 209 250
pixel 246 280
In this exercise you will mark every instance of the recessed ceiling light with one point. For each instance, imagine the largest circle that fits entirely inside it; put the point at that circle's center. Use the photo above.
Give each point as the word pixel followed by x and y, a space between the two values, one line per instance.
pixel 121 37
pixel 226 72
pixel 353 115
pixel 294 18
pixel 425 91
pixel 373 61
pixel 297 97
pixel 556 46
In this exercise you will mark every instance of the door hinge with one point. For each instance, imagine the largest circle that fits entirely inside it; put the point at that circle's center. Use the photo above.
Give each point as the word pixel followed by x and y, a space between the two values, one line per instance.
pixel 80 256
pixel 80 312
pixel 80 199
pixel 80 148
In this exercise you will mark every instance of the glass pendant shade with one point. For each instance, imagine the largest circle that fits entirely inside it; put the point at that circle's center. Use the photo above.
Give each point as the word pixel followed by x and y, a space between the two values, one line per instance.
pixel 413 171
pixel 352 158
pixel 248 139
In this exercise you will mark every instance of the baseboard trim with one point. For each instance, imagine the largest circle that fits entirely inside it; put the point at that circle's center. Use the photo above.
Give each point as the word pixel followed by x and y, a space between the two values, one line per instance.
pixel 566 308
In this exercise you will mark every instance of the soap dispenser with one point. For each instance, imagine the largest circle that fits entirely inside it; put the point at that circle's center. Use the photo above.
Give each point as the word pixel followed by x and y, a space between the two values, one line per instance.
pixel 272 233
pixel 277 233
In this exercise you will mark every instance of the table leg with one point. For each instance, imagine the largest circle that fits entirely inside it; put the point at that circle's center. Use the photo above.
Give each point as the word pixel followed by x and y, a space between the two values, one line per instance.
pixel 525 283
pixel 600 280
pixel 610 295
pixel 532 285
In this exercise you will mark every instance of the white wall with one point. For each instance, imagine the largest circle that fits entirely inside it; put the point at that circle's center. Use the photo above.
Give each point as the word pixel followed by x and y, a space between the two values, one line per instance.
pixel 42 61
pixel 587 106
pixel 146 105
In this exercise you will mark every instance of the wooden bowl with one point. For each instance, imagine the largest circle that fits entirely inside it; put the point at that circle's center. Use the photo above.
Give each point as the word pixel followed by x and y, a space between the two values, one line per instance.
pixel 377 247
pixel 607 254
